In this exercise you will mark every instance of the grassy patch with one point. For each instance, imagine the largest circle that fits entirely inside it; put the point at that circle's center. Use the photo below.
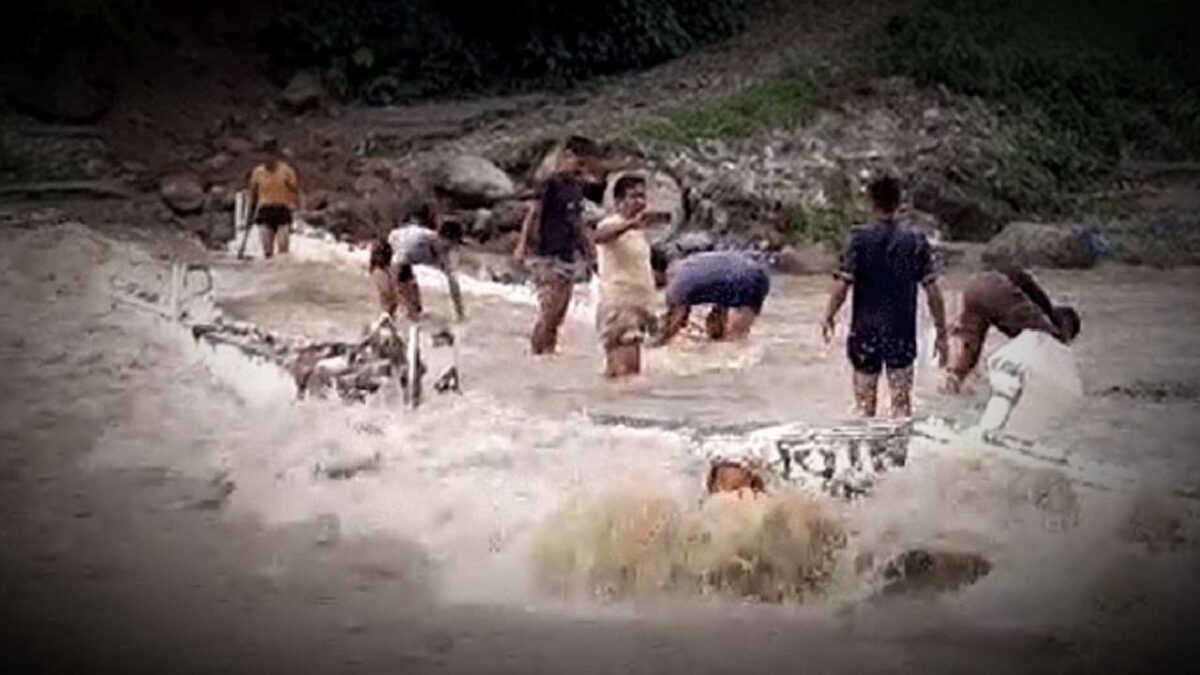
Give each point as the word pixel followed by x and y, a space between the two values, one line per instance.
pixel 785 100
pixel 1094 78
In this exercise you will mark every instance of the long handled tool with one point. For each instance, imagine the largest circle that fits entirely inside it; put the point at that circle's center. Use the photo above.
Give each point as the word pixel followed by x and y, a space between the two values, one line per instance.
pixel 241 218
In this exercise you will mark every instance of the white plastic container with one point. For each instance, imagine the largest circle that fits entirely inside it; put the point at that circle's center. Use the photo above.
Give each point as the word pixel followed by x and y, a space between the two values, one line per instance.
pixel 1035 383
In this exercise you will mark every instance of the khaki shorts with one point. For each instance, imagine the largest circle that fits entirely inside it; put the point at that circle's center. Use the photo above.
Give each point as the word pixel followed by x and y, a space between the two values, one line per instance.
pixel 620 325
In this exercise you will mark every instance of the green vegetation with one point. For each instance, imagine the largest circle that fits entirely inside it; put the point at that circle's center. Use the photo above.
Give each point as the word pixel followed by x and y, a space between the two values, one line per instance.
pixel 782 101
pixel 1083 81
pixel 387 50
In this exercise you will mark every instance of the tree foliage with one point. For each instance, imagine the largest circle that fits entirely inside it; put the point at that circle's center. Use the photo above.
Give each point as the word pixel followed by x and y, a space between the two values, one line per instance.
pixel 383 50
pixel 1099 77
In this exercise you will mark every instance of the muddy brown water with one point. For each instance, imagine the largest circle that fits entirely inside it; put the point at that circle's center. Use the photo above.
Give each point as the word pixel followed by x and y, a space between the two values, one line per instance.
pixel 122 547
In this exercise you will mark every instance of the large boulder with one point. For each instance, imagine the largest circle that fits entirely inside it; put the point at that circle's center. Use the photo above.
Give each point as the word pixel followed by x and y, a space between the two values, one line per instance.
pixel 183 193
pixel 219 230
pixel 303 91
pixel 806 259
pixel 1040 245
pixel 353 218
pixel 509 216
pixel 470 181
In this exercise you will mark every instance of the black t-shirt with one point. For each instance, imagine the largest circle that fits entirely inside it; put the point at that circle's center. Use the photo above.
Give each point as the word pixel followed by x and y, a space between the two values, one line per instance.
pixel 886 263
pixel 562 213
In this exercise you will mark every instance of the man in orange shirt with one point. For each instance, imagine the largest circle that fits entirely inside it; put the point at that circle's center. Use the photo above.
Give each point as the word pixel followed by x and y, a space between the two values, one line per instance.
pixel 274 197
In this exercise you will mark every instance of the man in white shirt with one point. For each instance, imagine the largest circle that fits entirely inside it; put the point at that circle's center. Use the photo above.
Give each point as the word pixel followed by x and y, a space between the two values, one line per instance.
pixel 624 316
pixel 418 245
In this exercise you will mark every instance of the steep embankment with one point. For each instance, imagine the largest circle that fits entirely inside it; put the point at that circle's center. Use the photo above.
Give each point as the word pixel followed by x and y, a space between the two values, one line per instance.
pixel 993 112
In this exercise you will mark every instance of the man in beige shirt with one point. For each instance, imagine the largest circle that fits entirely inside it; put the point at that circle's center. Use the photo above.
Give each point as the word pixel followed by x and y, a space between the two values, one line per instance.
pixel 624 318
pixel 274 198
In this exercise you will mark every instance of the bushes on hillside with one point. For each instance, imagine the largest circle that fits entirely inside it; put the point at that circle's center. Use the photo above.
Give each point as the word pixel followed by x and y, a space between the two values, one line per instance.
pixel 1100 78
pixel 384 50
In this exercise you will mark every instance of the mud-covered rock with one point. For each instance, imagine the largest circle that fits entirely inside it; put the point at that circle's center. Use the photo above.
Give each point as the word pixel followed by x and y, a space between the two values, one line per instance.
pixel 493 265
pixel 220 199
pixel 962 218
pixel 233 145
pixel 219 229
pixel 1040 245
pixel 183 193
pixel 689 243
pixel 928 570
pixel 352 217
pixel 664 196
pixel 508 216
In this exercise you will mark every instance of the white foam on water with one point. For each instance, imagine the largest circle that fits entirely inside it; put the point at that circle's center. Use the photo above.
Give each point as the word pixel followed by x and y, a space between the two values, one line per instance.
pixel 311 245
pixel 471 478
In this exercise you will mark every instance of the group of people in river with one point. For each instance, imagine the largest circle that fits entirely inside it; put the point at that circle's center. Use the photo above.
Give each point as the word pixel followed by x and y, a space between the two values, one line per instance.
pixel 883 268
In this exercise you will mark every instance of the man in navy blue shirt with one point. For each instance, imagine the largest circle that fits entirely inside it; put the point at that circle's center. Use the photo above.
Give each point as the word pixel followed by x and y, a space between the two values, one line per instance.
pixel 885 263
pixel 733 283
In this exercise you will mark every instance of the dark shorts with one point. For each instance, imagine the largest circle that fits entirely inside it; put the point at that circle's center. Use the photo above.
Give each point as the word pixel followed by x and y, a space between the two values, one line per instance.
pixel 274 216
pixel 870 354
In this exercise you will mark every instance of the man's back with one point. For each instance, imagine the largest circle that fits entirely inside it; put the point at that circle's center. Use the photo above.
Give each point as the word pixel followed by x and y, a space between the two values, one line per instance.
pixel 275 184
pixel 886 262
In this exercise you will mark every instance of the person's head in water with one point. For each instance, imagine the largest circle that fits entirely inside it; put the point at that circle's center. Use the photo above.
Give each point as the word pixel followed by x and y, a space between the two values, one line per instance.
pixel 381 254
pixel 1067 320
pixel 630 195
pixel 885 196
pixel 575 156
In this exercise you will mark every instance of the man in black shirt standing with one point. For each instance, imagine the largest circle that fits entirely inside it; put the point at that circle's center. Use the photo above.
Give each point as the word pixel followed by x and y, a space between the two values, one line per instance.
pixel 885 262
pixel 554 244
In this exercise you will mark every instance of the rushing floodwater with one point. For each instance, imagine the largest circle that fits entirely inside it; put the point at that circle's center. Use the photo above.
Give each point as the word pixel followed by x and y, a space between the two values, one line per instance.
pixel 475 478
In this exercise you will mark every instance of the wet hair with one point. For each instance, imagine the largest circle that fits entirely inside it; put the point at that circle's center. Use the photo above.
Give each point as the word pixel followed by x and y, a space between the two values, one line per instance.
pixel 381 254
pixel 625 184
pixel 1067 320
pixel 885 193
